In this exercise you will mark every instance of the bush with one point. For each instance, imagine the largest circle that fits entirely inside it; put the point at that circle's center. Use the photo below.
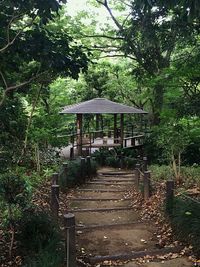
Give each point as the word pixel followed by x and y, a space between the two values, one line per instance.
pixel 112 158
pixel 74 173
pixel 185 222
pixel 40 238
pixel 15 196
pixel 14 189
pixel 112 161
pixel 189 175
pixel 162 172
pixel 101 155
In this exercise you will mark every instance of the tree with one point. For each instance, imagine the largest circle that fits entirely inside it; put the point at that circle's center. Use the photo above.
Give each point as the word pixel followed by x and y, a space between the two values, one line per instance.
pixel 29 50
pixel 173 139
pixel 149 35
pixel 32 55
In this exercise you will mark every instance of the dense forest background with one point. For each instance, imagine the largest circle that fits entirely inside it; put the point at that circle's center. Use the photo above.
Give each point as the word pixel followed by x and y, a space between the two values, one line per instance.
pixel 145 54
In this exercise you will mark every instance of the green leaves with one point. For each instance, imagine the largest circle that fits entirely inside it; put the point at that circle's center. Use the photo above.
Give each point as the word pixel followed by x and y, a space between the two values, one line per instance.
pixel 14 189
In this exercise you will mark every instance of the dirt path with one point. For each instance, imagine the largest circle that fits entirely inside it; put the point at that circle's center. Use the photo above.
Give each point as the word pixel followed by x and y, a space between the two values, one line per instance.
pixel 108 228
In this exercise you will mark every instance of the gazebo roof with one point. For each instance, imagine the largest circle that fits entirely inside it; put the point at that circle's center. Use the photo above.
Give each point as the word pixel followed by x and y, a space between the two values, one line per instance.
pixel 100 106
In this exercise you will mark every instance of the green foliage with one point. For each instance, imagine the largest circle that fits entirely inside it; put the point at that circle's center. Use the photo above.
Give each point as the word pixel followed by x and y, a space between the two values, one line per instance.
pixel 161 172
pixel 15 196
pixel 46 258
pixel 185 222
pixel 172 138
pixel 189 175
pixel 14 190
pixel 118 158
pixel 37 230
pixel 76 175
pixel 40 236
pixel 112 161
pixel 12 124
pixel 32 55
pixel 101 155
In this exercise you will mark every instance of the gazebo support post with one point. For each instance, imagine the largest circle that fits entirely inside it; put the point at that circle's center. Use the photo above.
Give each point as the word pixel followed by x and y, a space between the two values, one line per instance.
pixel 79 133
pixel 115 128
pixel 97 124
pixel 122 129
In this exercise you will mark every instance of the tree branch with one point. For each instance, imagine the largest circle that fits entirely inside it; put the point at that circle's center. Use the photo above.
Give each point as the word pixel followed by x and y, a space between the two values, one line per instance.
pixel 105 3
pixel 4 79
pixel 118 55
pixel 15 87
pixel 10 42
pixel 102 36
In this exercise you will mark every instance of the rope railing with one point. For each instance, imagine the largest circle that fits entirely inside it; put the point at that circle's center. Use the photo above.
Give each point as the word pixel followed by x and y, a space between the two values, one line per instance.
pixel 68 218
pixel 184 195
pixel 141 171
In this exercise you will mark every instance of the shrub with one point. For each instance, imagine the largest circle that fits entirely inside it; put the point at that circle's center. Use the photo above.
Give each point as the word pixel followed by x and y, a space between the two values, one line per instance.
pixel 14 189
pixel 185 222
pixel 75 175
pixel 116 158
pixel 112 161
pixel 101 155
pixel 15 195
pixel 130 162
pixel 189 175
pixel 163 172
pixel 40 238
pixel 37 230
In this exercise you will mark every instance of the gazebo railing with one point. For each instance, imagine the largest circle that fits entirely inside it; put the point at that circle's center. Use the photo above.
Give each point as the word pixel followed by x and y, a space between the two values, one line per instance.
pixel 87 139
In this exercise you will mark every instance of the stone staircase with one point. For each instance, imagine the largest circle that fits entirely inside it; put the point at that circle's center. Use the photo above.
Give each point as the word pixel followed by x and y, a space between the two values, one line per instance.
pixel 107 226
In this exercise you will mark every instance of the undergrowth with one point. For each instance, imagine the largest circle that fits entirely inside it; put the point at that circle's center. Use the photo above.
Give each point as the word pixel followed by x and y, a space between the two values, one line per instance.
pixel 75 175
pixel 185 221
pixel 190 175
pixel 116 158
pixel 40 238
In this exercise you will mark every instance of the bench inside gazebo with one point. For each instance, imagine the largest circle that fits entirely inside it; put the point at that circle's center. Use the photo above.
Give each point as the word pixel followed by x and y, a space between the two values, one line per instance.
pixel 85 142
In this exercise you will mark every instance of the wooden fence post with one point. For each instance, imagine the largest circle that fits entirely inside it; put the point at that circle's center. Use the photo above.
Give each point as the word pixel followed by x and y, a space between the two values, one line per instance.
pixel 147 175
pixel 82 169
pixel 65 168
pixel 137 176
pixel 55 200
pixel 88 163
pixel 70 243
pixel 169 196
pixel 54 178
pixel 145 164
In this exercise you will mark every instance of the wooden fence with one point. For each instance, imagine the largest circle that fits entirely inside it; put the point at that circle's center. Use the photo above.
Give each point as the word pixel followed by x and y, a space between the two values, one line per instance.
pixel 68 218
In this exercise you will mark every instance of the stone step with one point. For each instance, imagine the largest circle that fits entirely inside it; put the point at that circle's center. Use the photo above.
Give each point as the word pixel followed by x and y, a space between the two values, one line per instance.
pixel 111 182
pixel 100 199
pixel 178 262
pixel 100 209
pixel 114 173
pixel 100 190
pixel 117 240
pixel 108 186
pixel 76 204
pixel 114 180
pixel 96 218
pixel 105 226
pixel 99 194
pixel 136 254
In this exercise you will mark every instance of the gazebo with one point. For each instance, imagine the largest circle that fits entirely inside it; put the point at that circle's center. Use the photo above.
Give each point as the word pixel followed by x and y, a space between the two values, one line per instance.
pixel 96 139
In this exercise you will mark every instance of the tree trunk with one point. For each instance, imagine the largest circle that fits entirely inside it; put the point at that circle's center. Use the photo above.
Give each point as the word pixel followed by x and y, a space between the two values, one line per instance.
pixel 30 121
pixel 158 94
pixel 174 167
